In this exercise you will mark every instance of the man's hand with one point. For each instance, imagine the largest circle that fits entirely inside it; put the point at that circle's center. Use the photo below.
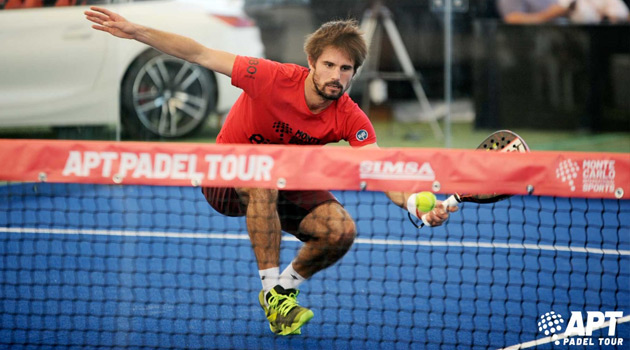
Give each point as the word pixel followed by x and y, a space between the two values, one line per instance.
pixel 110 22
pixel 439 215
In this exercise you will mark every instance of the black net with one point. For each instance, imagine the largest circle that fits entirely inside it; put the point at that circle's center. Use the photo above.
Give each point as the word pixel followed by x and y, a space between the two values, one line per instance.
pixel 149 267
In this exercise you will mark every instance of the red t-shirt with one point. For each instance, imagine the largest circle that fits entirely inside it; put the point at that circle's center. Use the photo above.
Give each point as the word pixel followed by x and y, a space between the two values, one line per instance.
pixel 272 109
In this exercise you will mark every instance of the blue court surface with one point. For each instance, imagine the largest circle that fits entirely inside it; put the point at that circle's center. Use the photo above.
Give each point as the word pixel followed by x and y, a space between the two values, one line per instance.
pixel 141 267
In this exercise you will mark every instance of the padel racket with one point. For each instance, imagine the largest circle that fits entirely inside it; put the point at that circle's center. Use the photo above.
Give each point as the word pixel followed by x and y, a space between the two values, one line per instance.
pixel 499 141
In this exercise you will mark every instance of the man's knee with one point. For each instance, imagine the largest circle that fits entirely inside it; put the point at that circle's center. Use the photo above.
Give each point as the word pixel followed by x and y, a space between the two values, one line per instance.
pixel 341 229
pixel 257 195
pixel 343 234
pixel 331 225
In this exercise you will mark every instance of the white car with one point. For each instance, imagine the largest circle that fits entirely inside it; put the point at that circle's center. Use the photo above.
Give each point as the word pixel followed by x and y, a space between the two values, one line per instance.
pixel 55 70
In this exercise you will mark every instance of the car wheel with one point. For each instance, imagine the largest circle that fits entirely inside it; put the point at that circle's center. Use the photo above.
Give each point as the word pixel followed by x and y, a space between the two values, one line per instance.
pixel 165 97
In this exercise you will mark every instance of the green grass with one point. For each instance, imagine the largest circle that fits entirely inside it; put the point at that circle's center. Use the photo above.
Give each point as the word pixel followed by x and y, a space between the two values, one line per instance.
pixel 393 134
pixel 465 136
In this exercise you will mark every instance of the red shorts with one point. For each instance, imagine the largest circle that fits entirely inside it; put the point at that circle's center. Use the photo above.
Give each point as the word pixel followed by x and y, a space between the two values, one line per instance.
pixel 293 206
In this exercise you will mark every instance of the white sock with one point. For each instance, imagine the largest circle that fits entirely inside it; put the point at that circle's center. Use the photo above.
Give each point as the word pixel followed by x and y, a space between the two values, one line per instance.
pixel 290 279
pixel 269 278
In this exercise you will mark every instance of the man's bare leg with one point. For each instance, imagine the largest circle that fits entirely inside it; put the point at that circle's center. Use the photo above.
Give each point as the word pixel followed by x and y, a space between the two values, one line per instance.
pixel 281 308
pixel 333 232
pixel 263 225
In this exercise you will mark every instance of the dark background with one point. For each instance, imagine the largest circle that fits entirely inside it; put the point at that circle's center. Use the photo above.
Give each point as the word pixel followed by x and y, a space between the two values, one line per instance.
pixel 551 76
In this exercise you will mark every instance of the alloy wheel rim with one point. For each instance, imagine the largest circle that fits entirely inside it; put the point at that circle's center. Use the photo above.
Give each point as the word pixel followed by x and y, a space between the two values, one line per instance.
pixel 170 96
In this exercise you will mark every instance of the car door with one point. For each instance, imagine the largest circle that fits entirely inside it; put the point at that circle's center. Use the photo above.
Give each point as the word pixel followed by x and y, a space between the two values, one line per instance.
pixel 50 58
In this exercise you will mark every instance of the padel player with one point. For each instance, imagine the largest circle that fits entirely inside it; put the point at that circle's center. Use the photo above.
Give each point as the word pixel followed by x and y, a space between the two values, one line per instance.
pixel 284 104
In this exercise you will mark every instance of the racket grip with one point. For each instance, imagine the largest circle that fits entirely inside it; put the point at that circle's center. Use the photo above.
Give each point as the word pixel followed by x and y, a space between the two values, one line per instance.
pixel 451 201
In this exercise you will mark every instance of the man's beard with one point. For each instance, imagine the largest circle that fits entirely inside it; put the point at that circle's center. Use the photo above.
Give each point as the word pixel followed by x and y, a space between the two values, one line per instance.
pixel 324 95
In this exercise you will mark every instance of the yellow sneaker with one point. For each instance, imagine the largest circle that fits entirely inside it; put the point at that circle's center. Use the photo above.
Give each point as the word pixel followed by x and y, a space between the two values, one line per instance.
pixel 284 314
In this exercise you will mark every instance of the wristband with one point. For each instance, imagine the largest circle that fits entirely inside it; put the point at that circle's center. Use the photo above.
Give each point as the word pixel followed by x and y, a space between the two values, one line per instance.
pixel 411 206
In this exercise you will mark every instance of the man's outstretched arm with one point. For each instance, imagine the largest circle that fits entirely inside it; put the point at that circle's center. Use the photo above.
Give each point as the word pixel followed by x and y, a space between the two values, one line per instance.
pixel 169 43
pixel 435 217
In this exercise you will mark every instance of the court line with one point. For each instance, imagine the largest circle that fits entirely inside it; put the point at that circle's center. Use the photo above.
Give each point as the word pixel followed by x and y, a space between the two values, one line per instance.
pixel 238 236
pixel 549 339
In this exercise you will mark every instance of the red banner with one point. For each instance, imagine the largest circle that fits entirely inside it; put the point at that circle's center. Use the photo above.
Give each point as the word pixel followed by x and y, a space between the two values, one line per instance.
pixel 564 174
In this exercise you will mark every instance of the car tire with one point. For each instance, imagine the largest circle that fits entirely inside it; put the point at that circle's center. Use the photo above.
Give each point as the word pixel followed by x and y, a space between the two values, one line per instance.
pixel 165 97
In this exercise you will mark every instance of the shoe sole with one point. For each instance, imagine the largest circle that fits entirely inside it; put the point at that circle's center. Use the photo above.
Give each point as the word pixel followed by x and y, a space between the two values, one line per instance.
pixel 297 326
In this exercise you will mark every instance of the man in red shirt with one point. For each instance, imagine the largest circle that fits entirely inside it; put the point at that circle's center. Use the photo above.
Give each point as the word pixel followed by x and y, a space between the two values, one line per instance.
pixel 284 104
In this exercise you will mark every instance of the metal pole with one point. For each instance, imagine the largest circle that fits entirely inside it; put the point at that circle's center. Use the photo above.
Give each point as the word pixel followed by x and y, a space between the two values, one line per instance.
pixel 448 58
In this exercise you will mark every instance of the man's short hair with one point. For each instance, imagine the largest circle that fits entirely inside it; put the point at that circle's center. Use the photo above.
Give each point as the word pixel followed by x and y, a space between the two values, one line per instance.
pixel 344 35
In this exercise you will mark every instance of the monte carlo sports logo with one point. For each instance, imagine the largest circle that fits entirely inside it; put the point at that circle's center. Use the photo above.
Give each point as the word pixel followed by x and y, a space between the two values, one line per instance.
pixel 593 175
